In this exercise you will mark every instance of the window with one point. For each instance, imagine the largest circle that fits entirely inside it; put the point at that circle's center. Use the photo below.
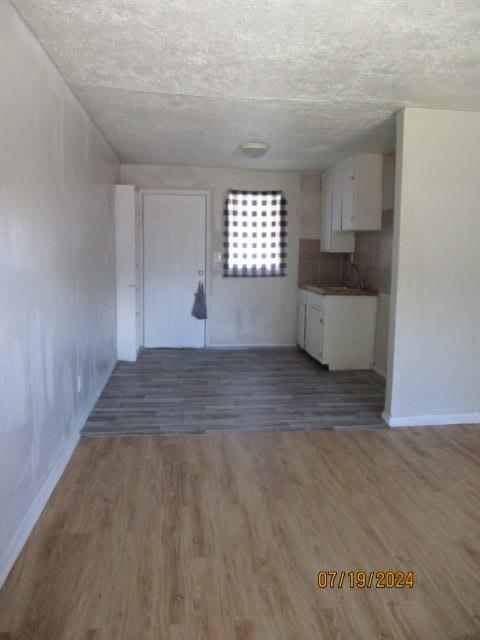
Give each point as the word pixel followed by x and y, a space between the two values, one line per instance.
pixel 255 234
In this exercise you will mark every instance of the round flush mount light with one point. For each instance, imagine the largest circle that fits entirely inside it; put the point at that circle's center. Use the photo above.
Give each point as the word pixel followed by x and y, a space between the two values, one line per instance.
pixel 254 149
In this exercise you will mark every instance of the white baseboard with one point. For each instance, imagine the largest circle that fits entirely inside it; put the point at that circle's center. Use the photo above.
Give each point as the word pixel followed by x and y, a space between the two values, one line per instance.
pixel 252 346
pixel 61 457
pixel 380 371
pixel 433 420
pixel 29 520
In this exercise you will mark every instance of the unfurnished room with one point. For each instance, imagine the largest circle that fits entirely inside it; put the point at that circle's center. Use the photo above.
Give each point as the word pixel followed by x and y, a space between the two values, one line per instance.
pixel 240 320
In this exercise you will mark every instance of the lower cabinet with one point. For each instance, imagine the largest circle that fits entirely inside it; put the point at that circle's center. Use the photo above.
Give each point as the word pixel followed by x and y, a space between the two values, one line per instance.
pixel 301 321
pixel 314 331
pixel 339 331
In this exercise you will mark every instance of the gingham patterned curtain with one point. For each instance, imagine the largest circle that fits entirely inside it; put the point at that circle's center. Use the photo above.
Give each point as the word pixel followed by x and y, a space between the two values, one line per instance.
pixel 255 234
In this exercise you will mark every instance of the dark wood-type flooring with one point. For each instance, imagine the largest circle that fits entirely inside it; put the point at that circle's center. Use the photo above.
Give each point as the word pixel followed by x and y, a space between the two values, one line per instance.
pixel 171 391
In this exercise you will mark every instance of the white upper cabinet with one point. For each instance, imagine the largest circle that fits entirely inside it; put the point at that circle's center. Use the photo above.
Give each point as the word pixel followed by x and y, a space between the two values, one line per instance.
pixel 337 201
pixel 358 181
pixel 352 201
pixel 348 213
pixel 332 240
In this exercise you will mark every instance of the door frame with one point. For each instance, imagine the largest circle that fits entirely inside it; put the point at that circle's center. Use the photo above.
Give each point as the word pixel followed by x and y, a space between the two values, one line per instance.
pixel 208 247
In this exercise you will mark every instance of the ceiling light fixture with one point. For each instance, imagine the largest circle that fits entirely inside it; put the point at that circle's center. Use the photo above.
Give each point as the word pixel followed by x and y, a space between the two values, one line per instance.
pixel 254 149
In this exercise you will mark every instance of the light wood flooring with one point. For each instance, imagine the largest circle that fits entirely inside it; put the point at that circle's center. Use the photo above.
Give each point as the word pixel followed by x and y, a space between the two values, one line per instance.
pixel 221 536
pixel 202 390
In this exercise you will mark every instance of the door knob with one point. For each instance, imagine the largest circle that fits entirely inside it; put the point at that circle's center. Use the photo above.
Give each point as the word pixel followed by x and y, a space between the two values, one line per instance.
pixel 200 273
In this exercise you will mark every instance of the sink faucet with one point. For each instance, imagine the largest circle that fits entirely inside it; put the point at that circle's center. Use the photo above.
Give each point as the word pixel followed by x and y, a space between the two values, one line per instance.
pixel 357 283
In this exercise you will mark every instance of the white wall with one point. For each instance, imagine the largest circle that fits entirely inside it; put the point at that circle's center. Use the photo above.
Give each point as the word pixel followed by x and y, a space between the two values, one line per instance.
pixel 385 243
pixel 57 314
pixel 311 211
pixel 242 311
pixel 380 354
pixel 434 354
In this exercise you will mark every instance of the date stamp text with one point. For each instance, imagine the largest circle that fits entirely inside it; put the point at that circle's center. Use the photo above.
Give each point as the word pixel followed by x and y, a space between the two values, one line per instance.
pixel 365 579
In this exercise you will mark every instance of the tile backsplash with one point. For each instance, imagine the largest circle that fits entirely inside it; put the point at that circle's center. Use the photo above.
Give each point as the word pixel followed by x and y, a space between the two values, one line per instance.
pixel 373 255
pixel 315 267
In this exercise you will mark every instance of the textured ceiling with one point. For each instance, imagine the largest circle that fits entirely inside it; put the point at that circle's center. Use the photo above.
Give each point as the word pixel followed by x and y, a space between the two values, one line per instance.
pixel 184 82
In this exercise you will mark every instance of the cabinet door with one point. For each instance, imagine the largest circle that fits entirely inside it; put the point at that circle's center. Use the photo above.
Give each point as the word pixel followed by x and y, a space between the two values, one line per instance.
pixel 348 198
pixel 337 202
pixel 314 332
pixel 301 325
pixel 326 243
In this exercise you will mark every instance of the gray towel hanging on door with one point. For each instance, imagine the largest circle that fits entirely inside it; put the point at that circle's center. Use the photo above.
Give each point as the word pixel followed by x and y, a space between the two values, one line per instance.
pixel 199 309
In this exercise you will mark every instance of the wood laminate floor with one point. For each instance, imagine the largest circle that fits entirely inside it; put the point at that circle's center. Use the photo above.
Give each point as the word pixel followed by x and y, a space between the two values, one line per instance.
pixel 202 390
pixel 221 536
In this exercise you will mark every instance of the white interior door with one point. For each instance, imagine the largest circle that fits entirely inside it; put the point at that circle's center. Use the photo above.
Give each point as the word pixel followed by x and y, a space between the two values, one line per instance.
pixel 174 228
pixel 138 271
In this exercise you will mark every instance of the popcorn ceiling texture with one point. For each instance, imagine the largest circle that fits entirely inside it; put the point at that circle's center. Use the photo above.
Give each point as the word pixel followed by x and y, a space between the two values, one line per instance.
pixel 183 82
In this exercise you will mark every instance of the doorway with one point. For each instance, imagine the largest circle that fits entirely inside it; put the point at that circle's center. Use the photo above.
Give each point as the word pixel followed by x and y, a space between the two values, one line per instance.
pixel 174 247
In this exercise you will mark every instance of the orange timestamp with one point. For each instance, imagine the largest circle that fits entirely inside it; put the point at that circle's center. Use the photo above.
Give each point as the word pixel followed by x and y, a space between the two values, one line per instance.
pixel 365 579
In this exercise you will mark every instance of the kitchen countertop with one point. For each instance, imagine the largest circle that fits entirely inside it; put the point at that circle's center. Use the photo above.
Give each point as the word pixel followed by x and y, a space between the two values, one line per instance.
pixel 336 291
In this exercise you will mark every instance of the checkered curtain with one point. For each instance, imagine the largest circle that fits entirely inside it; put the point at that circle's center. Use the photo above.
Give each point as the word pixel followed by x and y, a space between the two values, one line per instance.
pixel 255 234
